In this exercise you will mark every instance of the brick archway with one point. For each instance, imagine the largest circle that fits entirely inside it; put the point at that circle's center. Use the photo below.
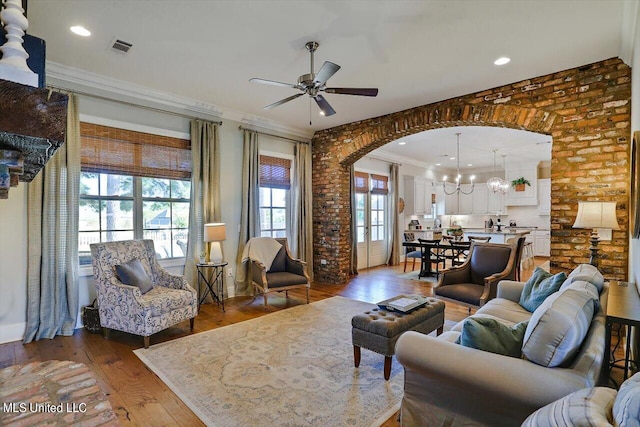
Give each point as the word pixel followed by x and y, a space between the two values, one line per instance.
pixel 587 112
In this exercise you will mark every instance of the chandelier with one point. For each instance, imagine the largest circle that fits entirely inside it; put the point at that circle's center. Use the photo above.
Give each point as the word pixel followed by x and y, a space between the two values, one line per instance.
pixel 495 183
pixel 458 188
pixel 504 188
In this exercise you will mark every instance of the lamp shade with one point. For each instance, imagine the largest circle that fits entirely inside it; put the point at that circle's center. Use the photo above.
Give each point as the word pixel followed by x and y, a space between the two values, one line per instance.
pixel 597 215
pixel 215 232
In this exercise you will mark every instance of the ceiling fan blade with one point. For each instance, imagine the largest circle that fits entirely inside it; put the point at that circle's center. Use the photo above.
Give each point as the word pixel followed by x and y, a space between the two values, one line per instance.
pixel 325 108
pixel 282 101
pixel 353 91
pixel 327 70
pixel 272 83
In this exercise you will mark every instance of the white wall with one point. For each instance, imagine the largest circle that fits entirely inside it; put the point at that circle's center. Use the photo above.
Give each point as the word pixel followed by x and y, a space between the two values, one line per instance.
pixel 634 244
pixel 13 212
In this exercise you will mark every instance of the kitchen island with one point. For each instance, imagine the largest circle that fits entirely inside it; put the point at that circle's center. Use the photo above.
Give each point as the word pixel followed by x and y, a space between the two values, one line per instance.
pixel 496 236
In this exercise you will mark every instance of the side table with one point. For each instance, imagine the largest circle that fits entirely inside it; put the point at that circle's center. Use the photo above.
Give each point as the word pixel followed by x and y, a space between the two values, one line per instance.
pixel 623 309
pixel 212 275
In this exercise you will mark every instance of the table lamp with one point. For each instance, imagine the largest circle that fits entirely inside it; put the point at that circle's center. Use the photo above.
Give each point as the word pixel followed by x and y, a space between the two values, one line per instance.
pixel 214 233
pixel 596 215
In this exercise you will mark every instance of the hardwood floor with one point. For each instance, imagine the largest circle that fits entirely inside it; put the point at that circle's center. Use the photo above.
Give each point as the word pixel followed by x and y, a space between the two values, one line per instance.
pixel 140 398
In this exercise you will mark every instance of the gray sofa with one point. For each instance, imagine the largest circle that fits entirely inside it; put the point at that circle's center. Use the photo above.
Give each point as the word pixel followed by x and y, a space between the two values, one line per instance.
pixel 447 384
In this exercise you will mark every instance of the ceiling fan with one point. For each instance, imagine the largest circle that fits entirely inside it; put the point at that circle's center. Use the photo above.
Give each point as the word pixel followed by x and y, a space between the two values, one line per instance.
pixel 312 84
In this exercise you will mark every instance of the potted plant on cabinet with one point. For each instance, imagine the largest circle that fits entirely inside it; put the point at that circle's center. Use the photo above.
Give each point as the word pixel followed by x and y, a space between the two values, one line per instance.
pixel 519 183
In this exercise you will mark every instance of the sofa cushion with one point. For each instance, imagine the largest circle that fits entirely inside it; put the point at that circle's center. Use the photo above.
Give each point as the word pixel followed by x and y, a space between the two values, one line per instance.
pixel 132 273
pixel 626 408
pixel 505 309
pixel 490 335
pixel 586 407
pixel 558 327
pixel 588 273
pixel 540 285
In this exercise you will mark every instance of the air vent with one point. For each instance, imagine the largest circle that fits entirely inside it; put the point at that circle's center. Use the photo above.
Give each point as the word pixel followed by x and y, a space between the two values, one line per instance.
pixel 120 46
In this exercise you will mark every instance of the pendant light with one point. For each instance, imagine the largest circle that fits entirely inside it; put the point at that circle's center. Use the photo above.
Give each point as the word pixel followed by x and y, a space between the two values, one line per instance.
pixel 458 188
pixel 495 183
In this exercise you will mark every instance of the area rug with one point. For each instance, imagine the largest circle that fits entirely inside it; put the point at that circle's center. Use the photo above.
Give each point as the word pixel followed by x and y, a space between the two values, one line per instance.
pixel 289 368
pixel 413 275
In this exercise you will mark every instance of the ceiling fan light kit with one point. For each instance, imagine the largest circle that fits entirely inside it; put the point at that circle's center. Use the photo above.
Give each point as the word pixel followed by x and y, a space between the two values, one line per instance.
pixel 312 84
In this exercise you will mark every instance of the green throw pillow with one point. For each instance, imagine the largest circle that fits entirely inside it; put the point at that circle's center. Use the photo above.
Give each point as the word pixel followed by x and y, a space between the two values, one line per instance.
pixel 487 334
pixel 540 285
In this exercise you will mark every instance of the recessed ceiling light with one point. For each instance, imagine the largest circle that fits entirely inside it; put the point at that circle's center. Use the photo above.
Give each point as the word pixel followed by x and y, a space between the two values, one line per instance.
pixel 402 143
pixel 452 158
pixel 80 30
pixel 438 164
pixel 469 164
pixel 501 61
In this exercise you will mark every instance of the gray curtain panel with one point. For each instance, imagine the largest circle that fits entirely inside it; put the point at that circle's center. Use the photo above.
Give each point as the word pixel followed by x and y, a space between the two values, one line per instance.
pixel 302 230
pixel 52 268
pixel 250 213
pixel 353 267
pixel 393 233
pixel 205 191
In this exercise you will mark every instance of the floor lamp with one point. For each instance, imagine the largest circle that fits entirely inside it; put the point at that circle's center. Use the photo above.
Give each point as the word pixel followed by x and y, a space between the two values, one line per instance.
pixel 596 215
pixel 214 233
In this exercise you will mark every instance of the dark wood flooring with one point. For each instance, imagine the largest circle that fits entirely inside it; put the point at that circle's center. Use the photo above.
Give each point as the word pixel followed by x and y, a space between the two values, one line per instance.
pixel 141 399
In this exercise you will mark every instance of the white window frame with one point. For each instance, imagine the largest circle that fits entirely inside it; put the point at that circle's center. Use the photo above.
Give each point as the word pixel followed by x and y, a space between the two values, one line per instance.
pixel 288 198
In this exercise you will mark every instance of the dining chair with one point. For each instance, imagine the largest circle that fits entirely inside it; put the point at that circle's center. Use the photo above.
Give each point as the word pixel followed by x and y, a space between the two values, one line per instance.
pixel 411 251
pixel 479 238
pixel 431 252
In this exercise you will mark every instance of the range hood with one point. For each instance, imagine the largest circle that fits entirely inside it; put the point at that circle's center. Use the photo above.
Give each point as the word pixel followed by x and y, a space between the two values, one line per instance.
pixel 33 122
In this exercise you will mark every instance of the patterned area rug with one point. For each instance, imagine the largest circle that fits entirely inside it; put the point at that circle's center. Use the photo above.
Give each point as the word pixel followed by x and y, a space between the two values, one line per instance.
pixel 289 368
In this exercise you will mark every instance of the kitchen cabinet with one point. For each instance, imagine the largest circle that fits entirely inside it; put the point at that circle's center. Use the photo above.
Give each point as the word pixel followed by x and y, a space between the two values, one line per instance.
pixel 544 196
pixel 418 196
pixel 542 243
pixel 528 197
pixel 480 199
pixel 495 203
pixel 465 201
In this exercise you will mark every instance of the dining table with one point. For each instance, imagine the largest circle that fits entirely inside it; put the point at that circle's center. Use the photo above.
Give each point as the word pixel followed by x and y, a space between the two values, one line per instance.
pixel 438 252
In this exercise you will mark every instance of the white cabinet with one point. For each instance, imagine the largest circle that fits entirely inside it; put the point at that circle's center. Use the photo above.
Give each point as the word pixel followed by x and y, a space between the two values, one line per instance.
pixel 418 196
pixel 544 196
pixel 529 196
pixel 480 199
pixel 451 200
pixel 465 201
pixel 542 243
pixel 495 203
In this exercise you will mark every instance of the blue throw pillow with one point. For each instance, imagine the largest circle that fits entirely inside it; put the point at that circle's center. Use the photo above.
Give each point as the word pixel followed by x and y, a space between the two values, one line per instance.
pixel 540 285
pixel 132 273
pixel 487 334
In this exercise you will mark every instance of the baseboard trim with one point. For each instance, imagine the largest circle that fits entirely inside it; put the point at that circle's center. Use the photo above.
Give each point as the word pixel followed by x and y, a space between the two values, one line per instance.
pixel 13 332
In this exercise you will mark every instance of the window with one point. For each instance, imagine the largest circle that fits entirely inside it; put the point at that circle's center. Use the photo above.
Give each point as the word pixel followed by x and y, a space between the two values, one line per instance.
pixel 275 183
pixel 133 185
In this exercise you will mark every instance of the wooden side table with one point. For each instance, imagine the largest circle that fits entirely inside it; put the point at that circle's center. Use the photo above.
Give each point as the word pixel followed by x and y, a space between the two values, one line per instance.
pixel 623 309
pixel 212 275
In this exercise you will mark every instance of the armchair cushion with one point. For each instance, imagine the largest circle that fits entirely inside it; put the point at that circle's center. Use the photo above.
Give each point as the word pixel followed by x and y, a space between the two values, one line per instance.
pixel 163 300
pixel 558 326
pixel 626 408
pixel 280 261
pixel 284 278
pixel 586 407
pixel 540 285
pixel 469 293
pixel 132 273
pixel 488 334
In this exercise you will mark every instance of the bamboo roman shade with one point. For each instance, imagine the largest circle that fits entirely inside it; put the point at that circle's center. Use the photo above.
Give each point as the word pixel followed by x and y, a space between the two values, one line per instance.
pixel 361 182
pixel 275 172
pixel 111 150
pixel 379 184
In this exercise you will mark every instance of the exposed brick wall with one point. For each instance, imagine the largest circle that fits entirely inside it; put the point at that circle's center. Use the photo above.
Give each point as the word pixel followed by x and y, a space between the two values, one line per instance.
pixel 587 111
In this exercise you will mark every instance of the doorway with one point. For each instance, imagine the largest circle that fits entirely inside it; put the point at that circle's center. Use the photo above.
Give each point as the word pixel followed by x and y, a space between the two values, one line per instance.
pixel 371 228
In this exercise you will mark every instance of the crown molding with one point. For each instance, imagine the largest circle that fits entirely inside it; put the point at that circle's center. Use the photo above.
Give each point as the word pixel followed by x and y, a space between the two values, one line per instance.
pixel 630 11
pixel 117 90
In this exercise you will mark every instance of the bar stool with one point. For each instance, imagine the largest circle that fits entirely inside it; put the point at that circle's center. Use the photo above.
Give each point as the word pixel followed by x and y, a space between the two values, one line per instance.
pixel 527 254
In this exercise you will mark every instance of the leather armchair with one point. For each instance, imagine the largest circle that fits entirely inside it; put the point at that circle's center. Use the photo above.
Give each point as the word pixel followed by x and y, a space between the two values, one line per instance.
pixel 285 273
pixel 475 281
pixel 124 307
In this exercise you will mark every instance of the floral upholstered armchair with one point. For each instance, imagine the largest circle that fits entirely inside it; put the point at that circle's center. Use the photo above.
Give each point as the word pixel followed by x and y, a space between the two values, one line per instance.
pixel 152 300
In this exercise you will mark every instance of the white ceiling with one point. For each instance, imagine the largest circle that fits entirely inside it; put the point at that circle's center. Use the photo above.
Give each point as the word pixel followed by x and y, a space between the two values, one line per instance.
pixel 416 52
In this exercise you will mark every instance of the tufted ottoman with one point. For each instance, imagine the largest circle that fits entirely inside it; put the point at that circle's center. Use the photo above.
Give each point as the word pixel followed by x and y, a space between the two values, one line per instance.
pixel 378 330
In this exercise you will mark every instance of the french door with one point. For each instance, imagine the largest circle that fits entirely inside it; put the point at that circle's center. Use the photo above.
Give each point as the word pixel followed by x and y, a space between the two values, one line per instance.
pixel 371 227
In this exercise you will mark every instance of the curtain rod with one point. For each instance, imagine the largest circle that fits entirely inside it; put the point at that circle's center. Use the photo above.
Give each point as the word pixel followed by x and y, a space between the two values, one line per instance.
pixel 104 98
pixel 275 136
